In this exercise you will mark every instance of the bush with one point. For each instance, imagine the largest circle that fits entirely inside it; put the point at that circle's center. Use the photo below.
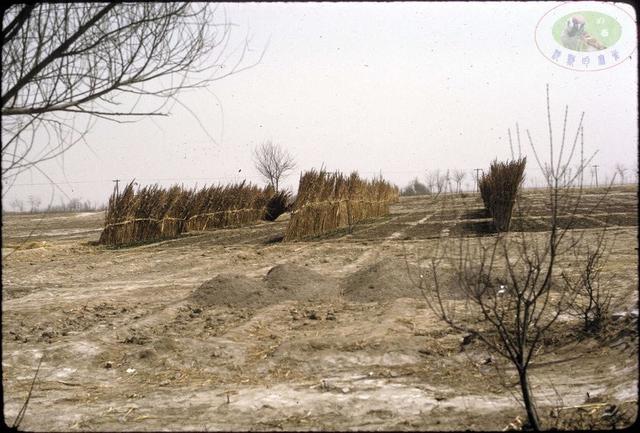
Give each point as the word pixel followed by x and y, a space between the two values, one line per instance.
pixel 278 204
pixel 592 296
pixel 415 187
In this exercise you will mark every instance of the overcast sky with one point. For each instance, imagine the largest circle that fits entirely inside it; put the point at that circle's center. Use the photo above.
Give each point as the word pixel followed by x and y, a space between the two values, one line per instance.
pixel 397 88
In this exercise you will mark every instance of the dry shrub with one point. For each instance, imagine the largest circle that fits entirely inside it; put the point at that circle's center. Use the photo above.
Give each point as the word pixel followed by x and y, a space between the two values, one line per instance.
pixel 153 213
pixel 278 204
pixel 328 201
pixel 499 190
pixel 594 416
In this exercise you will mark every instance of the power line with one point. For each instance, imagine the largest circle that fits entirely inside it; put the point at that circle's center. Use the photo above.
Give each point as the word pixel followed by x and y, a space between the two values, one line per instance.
pixel 478 177
pixel 175 179
pixel 61 183
pixel 255 177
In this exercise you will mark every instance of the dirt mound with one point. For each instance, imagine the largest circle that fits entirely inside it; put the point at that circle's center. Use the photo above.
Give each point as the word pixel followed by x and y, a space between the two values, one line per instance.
pixel 382 281
pixel 282 283
pixel 301 283
pixel 233 291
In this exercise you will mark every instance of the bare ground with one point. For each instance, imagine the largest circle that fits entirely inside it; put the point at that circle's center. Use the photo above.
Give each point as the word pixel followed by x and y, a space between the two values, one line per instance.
pixel 235 330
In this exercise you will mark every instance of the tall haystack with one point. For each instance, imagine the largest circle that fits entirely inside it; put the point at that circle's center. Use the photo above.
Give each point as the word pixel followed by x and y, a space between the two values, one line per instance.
pixel 499 189
pixel 153 213
pixel 149 214
pixel 226 206
pixel 328 201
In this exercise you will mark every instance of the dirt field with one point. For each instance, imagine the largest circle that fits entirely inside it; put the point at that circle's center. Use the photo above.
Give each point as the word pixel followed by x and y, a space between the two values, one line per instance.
pixel 235 330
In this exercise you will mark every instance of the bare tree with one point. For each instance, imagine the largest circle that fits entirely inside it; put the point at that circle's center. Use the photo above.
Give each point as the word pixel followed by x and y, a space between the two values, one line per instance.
pixel 431 180
pixel 34 203
pixel 511 291
pixel 437 182
pixel 17 205
pixel 74 205
pixel 458 177
pixel 620 171
pixel 442 181
pixel 273 163
pixel 447 179
pixel 593 298
pixel 67 64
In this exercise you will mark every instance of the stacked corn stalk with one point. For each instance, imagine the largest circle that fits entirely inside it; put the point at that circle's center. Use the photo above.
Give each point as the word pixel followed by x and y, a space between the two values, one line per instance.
pixel 227 206
pixel 152 213
pixel 368 199
pixel 328 201
pixel 499 190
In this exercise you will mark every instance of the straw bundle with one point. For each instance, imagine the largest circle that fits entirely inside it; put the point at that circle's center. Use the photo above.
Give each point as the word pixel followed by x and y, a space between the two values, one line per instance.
pixel 499 190
pixel 227 206
pixel 327 201
pixel 153 213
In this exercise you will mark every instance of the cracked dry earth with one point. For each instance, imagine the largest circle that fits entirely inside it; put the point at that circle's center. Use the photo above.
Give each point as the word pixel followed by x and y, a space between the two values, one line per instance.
pixel 234 330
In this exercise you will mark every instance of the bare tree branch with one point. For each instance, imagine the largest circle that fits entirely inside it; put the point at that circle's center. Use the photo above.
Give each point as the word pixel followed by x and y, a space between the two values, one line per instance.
pixel 65 60
pixel 273 163
pixel 510 283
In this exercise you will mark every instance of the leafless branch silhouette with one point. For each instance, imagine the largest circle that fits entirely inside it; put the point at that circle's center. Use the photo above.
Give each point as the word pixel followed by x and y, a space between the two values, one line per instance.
pixel 65 65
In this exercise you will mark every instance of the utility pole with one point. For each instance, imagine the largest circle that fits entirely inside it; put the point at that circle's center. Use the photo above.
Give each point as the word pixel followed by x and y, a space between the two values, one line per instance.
pixel 117 181
pixel 478 178
pixel 595 169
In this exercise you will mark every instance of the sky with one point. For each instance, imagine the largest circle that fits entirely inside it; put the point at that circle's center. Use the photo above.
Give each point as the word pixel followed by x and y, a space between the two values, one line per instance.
pixel 391 88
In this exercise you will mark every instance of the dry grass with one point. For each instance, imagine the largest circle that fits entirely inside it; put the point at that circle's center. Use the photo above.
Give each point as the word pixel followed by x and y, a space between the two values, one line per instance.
pixel 328 201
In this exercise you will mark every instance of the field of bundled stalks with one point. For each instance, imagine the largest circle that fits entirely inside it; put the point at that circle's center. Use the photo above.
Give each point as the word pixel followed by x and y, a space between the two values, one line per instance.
pixel 244 323
pixel 153 213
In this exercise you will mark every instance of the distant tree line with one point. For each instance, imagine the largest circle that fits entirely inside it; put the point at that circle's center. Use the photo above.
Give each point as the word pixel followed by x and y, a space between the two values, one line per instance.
pixel 436 182
pixel 33 203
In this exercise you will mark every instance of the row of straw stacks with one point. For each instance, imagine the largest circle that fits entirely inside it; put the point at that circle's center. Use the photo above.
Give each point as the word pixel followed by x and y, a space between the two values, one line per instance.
pixel 328 201
pixel 153 213
pixel 499 189
pixel 325 202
